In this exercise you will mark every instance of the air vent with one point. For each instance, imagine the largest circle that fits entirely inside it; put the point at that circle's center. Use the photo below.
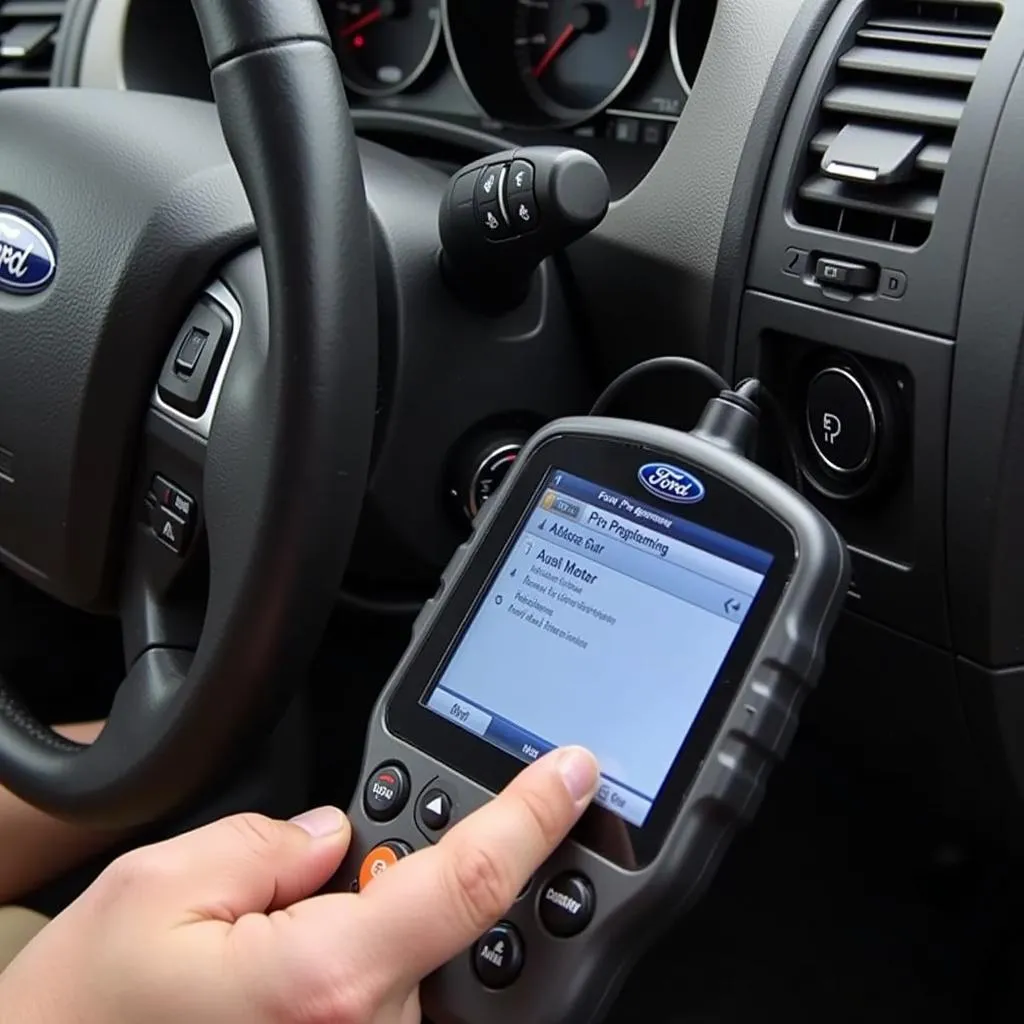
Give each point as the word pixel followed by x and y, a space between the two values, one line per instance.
pixel 885 133
pixel 28 34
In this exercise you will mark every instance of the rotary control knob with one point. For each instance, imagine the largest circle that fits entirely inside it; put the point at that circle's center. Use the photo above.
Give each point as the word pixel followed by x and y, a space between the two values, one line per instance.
pixel 478 471
pixel 853 425
pixel 842 421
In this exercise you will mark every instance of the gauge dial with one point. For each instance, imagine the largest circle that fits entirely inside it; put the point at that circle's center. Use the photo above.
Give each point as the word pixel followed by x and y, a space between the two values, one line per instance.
pixel 385 45
pixel 575 57
pixel 689 32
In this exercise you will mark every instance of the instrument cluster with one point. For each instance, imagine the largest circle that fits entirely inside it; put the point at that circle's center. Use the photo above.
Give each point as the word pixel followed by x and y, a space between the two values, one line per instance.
pixel 532 64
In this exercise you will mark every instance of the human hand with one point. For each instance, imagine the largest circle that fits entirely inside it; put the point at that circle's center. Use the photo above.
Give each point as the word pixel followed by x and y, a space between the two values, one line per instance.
pixel 220 925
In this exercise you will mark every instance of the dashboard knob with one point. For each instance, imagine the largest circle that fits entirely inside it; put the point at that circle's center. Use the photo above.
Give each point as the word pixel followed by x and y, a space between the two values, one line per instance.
pixel 502 215
pixel 842 421
pixel 853 426
pixel 479 468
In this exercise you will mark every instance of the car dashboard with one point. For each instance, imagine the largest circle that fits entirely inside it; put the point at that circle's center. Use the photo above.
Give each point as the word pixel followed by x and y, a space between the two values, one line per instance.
pixel 435 76
pixel 882 310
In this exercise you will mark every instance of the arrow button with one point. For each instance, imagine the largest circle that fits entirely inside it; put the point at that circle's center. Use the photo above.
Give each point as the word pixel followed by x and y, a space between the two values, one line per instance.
pixel 435 809
pixel 520 178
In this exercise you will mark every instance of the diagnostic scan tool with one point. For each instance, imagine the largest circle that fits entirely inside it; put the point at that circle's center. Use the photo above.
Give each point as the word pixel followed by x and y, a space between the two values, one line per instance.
pixel 652 595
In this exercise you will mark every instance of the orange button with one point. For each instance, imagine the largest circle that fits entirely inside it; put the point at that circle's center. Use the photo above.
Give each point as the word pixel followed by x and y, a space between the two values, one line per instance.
pixel 379 859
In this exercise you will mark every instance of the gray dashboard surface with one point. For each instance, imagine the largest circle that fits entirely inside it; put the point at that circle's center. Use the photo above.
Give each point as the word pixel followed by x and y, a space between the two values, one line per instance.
pixel 647 273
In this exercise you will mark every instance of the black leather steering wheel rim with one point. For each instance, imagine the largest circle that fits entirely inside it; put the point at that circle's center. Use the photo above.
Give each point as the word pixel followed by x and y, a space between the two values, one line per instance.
pixel 288 453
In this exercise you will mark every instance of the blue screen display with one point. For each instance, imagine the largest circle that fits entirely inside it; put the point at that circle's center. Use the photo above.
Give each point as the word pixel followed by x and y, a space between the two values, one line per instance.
pixel 606 625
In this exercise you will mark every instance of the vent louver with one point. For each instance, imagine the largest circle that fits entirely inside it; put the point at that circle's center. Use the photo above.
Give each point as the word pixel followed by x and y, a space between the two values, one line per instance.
pixel 28 34
pixel 883 140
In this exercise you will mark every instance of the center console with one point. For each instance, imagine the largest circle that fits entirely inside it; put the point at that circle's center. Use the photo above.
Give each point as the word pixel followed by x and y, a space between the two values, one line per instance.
pixel 880 303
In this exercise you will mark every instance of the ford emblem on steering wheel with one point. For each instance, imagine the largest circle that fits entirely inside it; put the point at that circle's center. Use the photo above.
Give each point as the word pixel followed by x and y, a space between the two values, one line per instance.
pixel 27 259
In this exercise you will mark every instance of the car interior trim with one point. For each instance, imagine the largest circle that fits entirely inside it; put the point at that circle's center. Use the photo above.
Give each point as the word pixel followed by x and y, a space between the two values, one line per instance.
pixel 102 62
pixel 67 55
pixel 748 188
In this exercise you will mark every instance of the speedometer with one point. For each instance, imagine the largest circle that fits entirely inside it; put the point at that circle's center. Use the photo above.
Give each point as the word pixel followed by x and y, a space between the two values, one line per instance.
pixel 384 46
pixel 574 58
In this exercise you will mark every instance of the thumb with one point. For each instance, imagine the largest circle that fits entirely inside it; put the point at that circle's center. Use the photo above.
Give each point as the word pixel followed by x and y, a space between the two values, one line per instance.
pixel 244 864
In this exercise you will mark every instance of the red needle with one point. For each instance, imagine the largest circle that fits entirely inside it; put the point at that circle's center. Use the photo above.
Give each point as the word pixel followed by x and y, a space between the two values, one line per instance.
pixel 367 19
pixel 554 50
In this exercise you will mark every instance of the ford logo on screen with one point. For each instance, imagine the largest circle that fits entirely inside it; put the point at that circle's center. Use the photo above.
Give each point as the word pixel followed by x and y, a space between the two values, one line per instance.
pixel 27 259
pixel 671 483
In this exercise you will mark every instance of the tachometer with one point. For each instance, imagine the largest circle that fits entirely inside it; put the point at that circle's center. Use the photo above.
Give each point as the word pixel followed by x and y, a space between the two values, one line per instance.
pixel 384 46
pixel 576 57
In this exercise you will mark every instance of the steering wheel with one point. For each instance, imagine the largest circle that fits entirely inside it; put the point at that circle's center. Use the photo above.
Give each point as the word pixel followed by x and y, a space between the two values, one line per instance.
pixel 133 212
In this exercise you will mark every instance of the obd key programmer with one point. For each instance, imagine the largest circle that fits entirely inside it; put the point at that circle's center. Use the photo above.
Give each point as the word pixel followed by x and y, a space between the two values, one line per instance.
pixel 652 595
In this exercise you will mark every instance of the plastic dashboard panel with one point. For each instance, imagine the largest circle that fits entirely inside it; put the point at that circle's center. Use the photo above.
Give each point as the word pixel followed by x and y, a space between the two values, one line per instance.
pixel 985 500
pixel 647 274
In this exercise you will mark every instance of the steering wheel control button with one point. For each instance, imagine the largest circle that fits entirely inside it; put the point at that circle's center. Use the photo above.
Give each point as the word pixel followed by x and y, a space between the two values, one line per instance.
pixel 520 179
pixel 841 421
pixel 435 809
pixel 189 351
pixel 498 956
pixel 566 904
pixel 493 221
pixel 845 275
pixel 380 858
pixel 191 367
pixel 535 200
pixel 386 793
pixel 174 499
pixel 171 531
pixel 488 185
pixel 523 211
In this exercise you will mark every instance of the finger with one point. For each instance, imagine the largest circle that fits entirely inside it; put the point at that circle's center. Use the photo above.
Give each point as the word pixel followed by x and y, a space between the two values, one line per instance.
pixel 239 865
pixel 435 903
pixel 411 1013
pixel 81 732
